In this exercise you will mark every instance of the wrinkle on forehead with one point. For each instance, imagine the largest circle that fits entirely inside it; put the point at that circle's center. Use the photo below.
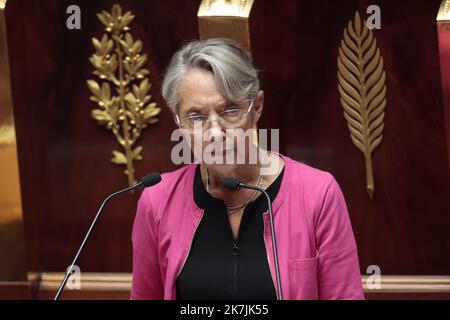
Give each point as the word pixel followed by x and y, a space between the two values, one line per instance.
pixel 199 89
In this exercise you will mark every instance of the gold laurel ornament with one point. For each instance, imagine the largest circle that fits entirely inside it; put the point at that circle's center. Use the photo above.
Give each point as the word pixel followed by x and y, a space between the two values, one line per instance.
pixel 121 93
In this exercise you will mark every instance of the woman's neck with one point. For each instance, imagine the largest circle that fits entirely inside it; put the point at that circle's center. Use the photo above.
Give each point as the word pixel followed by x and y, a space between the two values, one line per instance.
pixel 246 173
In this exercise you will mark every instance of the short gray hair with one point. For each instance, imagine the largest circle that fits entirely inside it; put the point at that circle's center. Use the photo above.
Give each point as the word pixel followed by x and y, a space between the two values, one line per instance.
pixel 231 65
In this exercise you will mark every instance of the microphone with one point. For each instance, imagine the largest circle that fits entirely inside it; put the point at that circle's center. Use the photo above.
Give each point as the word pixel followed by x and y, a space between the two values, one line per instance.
pixel 147 181
pixel 236 184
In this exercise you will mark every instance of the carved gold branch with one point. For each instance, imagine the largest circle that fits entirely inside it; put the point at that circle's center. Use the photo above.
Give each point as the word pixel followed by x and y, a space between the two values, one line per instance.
pixel 363 91
pixel 118 62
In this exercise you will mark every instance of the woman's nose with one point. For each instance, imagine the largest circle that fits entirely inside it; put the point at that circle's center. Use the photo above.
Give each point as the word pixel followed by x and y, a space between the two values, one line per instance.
pixel 215 130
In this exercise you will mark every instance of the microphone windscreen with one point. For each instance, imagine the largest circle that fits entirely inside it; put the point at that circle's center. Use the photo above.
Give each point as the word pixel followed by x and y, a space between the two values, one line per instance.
pixel 231 183
pixel 151 179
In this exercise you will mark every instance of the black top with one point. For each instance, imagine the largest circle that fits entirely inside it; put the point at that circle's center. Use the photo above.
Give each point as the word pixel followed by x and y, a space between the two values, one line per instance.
pixel 219 266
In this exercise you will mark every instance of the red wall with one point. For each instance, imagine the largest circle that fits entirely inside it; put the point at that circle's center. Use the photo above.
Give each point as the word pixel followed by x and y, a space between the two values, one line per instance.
pixel 64 155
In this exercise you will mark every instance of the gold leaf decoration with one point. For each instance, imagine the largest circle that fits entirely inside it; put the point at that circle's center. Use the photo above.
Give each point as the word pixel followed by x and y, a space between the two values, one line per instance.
pixel 122 89
pixel 362 90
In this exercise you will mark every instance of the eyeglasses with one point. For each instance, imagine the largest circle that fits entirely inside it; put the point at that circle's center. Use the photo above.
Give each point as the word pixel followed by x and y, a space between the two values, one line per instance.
pixel 232 117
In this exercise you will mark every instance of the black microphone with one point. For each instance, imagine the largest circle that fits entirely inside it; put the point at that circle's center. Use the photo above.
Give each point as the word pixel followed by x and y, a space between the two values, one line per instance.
pixel 236 184
pixel 147 181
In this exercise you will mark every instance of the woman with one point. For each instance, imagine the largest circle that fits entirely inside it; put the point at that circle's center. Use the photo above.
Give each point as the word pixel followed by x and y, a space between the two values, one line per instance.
pixel 195 239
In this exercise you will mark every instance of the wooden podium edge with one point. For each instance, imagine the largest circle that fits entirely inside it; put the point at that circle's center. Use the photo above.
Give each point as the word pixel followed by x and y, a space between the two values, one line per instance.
pixel 116 286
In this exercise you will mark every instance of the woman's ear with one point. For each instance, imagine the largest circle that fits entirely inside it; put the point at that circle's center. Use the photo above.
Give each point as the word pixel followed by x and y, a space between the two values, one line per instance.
pixel 258 105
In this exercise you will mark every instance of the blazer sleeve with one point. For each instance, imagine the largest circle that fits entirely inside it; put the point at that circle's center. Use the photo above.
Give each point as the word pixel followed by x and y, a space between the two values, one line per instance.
pixel 339 274
pixel 147 281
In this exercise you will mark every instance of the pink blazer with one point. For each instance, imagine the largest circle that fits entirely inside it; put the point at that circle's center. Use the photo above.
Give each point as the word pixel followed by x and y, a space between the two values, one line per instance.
pixel 317 252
